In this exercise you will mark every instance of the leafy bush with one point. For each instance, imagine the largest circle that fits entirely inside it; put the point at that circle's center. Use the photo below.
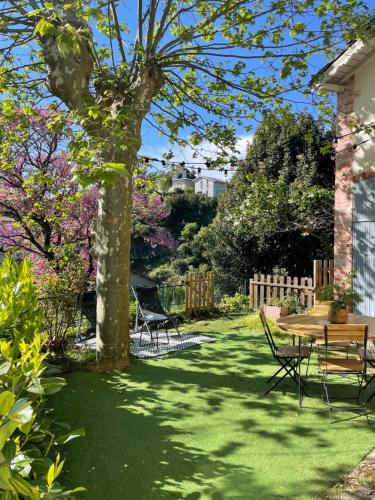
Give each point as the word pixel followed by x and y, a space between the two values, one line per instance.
pixel 291 301
pixel 29 461
pixel 59 299
pixel 234 304
pixel 28 438
pixel 20 315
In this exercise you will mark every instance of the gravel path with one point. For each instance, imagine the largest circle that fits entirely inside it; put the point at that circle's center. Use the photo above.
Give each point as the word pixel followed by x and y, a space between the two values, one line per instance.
pixel 358 485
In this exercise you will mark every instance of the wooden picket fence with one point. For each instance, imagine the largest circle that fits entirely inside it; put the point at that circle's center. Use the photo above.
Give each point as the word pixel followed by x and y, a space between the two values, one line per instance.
pixel 323 274
pixel 200 292
pixel 264 288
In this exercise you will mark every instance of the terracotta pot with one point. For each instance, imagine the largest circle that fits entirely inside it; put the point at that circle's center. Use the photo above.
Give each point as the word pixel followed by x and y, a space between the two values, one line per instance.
pixel 275 312
pixel 339 316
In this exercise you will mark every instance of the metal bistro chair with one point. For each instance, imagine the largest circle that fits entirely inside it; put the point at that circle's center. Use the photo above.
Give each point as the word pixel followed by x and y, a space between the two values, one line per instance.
pixel 151 314
pixel 289 358
pixel 344 367
pixel 367 357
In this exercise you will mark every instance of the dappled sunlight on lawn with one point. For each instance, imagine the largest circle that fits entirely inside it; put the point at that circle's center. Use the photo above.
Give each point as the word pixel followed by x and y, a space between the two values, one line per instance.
pixel 196 425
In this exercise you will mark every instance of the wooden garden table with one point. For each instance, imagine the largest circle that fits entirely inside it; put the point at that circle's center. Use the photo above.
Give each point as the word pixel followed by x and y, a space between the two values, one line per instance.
pixel 311 326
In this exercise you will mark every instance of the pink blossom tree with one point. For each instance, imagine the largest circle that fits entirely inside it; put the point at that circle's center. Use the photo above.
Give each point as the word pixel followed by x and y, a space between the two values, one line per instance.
pixel 43 213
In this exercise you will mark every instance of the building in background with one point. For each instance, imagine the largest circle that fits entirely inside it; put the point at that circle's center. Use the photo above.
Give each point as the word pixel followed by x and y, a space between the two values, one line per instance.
pixel 183 179
pixel 209 186
pixel 203 184
pixel 352 76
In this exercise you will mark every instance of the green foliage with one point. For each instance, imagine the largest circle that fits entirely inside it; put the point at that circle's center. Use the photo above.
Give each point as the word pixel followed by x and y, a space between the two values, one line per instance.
pixel 291 301
pixel 187 207
pixel 20 315
pixel 237 303
pixel 29 465
pixel 29 461
pixel 342 295
pixel 59 298
pixel 278 208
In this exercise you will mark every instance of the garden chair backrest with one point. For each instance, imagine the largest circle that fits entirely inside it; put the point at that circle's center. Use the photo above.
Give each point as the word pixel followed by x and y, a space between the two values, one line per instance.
pixel 267 332
pixel 87 304
pixel 148 299
pixel 336 333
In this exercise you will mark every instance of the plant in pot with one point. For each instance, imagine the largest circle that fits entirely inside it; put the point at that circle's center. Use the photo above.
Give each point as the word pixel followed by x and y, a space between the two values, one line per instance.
pixel 342 298
pixel 282 306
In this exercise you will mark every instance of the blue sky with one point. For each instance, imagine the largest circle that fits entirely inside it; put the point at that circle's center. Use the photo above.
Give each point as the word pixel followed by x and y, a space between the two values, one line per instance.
pixel 155 145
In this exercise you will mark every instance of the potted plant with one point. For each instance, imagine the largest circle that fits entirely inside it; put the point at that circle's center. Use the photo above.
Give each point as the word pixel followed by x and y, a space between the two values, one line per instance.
pixel 342 299
pixel 282 306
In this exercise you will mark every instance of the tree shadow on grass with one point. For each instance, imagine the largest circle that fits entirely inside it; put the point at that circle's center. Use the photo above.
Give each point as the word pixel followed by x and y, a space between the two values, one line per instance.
pixel 132 448
pixel 149 431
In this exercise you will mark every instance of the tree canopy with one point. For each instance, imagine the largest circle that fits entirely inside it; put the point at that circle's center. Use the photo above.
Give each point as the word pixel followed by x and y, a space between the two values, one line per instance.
pixel 193 69
pixel 278 208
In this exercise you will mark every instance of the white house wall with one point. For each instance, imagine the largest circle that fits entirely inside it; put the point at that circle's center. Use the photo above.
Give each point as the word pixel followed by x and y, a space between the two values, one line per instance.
pixel 364 113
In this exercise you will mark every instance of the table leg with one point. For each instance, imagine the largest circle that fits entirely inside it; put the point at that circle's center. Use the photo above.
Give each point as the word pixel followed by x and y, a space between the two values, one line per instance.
pixel 299 376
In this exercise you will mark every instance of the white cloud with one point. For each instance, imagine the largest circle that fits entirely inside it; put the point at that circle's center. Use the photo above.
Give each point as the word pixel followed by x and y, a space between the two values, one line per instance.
pixel 206 149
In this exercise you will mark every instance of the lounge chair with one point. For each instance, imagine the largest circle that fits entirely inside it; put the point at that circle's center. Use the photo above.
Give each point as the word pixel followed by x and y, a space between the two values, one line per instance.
pixel 151 316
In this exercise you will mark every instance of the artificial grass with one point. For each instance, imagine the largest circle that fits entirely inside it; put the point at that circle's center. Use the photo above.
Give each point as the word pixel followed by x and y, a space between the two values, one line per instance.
pixel 196 425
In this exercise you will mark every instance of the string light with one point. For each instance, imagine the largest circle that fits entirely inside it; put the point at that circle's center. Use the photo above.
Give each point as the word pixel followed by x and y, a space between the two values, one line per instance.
pixel 363 127
pixel 221 165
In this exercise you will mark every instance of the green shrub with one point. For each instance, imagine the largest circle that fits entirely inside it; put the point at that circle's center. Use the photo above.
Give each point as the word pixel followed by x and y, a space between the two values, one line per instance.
pixel 59 292
pixel 29 461
pixel 236 303
pixel 291 301
pixel 20 315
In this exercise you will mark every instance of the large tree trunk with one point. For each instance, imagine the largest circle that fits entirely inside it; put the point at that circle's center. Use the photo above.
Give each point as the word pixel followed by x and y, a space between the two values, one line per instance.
pixel 113 270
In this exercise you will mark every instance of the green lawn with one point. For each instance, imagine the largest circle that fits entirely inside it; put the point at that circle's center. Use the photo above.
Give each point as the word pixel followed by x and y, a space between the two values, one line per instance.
pixel 196 425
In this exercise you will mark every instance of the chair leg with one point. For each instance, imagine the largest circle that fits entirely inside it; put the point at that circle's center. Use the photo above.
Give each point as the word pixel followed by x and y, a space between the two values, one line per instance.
pixel 327 397
pixel 176 327
pixel 274 375
pixel 296 375
pixel 289 370
pixel 368 382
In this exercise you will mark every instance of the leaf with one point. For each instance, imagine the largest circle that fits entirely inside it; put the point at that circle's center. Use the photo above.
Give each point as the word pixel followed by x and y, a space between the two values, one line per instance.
pixel 7 400
pixel 5 367
pixel 44 27
pixel 21 412
pixel 46 386
pixel 22 486
pixel 51 475
pixel 6 430
pixel 116 167
pixel 71 435
pixel 5 475
pixel 41 465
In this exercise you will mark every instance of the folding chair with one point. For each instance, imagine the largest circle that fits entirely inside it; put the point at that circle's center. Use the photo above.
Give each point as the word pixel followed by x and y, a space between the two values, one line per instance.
pixel 87 307
pixel 289 358
pixel 367 357
pixel 151 314
pixel 344 367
